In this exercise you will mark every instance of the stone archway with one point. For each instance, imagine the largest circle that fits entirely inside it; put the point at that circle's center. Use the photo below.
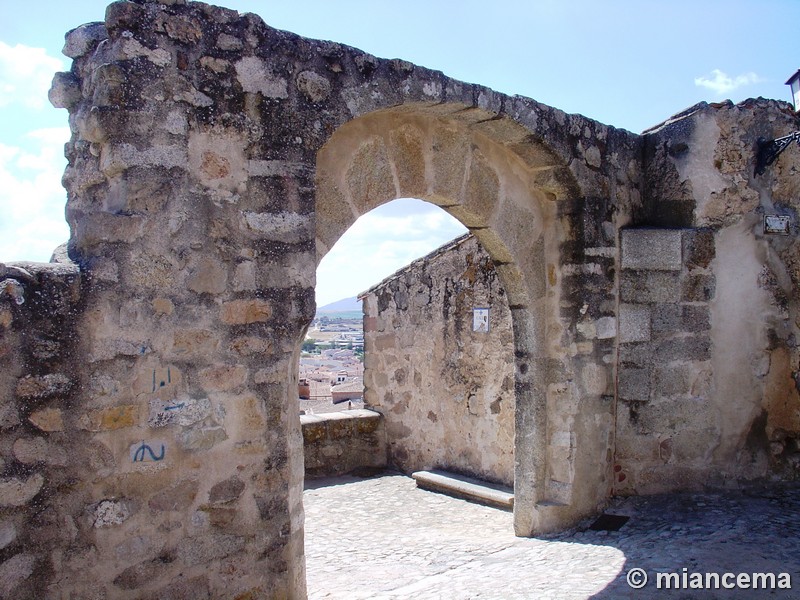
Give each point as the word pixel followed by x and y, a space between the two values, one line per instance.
pixel 213 160
pixel 435 155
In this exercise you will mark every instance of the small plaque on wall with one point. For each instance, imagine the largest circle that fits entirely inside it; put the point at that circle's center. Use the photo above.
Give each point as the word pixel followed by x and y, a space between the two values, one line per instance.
pixel 776 224
pixel 480 319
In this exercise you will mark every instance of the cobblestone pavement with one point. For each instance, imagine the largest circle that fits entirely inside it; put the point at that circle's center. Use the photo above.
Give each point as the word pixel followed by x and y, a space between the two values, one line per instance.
pixel 383 538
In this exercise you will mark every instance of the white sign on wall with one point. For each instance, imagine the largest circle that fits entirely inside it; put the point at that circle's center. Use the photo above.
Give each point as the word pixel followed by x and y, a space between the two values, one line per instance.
pixel 480 319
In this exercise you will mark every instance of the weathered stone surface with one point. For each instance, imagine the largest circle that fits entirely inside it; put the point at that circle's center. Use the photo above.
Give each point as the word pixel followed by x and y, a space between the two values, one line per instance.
pixel 111 418
pixel 182 412
pixel 111 512
pixel 242 312
pixel 653 249
pixel 16 492
pixel 43 386
pixel 14 571
pixel 223 377
pixel 226 491
pixel 177 497
pixel 202 437
pixel 477 409
pixel 47 419
pixel 8 533
pixel 180 588
pixel 33 450
pixel 205 548
pixel 634 323
pixel 141 574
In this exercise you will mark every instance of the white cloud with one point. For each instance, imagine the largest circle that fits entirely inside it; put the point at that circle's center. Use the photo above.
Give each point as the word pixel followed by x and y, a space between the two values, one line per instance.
pixel 25 75
pixel 721 83
pixel 31 196
pixel 381 242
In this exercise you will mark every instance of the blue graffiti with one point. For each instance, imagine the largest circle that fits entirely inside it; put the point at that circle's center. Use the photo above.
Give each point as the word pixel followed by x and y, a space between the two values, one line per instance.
pixel 177 406
pixel 161 383
pixel 139 456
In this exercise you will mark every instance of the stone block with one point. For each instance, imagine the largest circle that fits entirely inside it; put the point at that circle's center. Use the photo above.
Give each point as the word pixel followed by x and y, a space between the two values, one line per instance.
pixel 313 85
pixel 193 342
pixel 29 451
pixel 672 380
pixel 81 40
pixel 226 491
pixel 650 287
pixel 606 328
pixel 43 386
pixel 8 533
pixel 223 377
pixel 184 412
pixel 14 571
pixel 250 345
pixel 243 312
pixel 672 416
pixel 698 288
pixel 205 548
pixel 256 77
pixel 207 276
pixel 634 384
pixel 141 574
pixel 181 588
pixel 9 416
pixel 634 323
pixel 65 91
pixel 651 249
pixel 109 419
pixel 667 318
pixel 686 348
pixel 698 248
pixel 15 492
pixel 108 513
pixel 202 438
pixel 177 497
pixel 695 318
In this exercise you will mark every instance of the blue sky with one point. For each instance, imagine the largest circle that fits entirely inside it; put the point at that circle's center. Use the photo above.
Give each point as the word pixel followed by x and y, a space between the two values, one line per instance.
pixel 627 63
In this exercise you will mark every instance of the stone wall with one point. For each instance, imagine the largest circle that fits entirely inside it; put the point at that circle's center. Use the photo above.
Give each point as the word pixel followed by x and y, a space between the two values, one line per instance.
pixel 343 442
pixel 214 160
pixel 708 354
pixel 445 390
pixel 44 442
pixel 664 369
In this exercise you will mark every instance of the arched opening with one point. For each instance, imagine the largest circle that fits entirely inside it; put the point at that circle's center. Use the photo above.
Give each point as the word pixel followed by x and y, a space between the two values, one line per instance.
pixel 378 244
pixel 482 172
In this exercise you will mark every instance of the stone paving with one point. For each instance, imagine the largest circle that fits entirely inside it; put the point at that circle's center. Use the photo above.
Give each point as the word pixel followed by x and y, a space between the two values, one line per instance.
pixel 382 537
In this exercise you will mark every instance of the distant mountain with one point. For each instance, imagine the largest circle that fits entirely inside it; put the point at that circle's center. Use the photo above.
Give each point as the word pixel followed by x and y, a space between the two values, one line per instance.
pixel 345 305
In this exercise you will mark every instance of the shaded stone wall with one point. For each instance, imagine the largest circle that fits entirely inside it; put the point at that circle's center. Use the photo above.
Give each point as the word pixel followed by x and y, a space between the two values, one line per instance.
pixel 446 391
pixel 45 445
pixel 708 354
pixel 343 442
pixel 664 369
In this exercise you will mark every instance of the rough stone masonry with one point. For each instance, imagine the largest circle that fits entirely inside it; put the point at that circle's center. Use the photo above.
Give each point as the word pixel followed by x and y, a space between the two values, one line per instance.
pixel 148 428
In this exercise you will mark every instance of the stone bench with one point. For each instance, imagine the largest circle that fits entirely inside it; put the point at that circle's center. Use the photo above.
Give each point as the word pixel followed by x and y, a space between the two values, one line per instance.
pixel 467 488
